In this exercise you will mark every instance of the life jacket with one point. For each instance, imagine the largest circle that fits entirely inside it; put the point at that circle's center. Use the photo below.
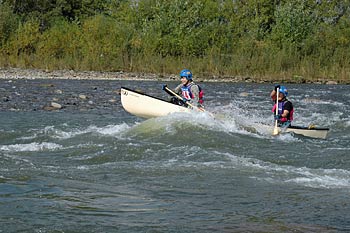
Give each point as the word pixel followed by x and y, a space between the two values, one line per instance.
pixel 281 109
pixel 186 92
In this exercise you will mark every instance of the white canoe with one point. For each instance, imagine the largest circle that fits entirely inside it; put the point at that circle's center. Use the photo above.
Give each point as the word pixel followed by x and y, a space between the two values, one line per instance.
pixel 311 131
pixel 146 106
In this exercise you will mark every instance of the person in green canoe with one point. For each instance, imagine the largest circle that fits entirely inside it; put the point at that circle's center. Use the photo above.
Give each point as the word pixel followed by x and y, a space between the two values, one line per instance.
pixel 284 116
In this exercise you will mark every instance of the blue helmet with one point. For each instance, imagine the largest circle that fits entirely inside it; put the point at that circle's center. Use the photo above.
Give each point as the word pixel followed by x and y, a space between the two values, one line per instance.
pixel 187 74
pixel 284 91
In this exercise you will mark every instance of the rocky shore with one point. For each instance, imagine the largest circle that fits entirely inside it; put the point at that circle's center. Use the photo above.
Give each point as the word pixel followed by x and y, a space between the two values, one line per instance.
pixel 24 95
pixel 17 73
pixel 36 90
pixel 39 90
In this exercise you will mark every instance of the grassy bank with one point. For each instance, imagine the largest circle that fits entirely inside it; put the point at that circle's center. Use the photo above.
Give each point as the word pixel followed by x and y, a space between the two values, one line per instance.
pixel 262 41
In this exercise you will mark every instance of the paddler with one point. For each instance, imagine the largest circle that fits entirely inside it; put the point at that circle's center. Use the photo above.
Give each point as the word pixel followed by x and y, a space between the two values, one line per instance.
pixel 285 107
pixel 191 93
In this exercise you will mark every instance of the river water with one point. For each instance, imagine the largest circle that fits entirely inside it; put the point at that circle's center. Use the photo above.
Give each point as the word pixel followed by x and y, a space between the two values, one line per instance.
pixel 92 167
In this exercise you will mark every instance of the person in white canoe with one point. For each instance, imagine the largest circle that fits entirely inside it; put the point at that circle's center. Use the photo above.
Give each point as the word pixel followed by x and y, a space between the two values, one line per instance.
pixel 285 107
pixel 190 92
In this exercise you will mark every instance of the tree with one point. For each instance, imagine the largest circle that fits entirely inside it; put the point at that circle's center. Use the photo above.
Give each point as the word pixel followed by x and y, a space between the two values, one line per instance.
pixel 8 22
pixel 295 21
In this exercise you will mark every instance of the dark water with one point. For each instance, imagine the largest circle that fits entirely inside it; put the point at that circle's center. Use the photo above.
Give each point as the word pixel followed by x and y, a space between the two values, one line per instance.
pixel 92 167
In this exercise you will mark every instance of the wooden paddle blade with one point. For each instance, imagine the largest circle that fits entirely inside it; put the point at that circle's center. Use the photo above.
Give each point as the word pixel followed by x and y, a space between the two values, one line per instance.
pixel 275 131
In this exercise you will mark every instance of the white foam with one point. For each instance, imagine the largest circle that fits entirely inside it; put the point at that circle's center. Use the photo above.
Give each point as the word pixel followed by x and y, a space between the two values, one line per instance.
pixel 44 146
pixel 346 122
pixel 321 102
pixel 236 117
pixel 111 130
pixel 171 122
pixel 322 182
pixel 315 178
pixel 28 137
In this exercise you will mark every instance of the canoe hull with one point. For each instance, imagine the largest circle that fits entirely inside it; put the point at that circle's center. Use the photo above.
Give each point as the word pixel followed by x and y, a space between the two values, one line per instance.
pixel 146 106
pixel 313 132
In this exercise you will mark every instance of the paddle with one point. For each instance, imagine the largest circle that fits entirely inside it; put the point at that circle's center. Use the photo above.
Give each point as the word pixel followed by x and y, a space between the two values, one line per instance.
pixel 275 130
pixel 169 91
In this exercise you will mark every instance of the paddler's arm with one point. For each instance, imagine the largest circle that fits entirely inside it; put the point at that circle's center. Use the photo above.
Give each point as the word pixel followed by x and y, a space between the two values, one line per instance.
pixel 285 113
pixel 288 107
pixel 273 93
pixel 195 93
pixel 177 89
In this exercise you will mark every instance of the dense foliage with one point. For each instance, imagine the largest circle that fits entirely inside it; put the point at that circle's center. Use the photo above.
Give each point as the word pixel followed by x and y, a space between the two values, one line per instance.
pixel 292 40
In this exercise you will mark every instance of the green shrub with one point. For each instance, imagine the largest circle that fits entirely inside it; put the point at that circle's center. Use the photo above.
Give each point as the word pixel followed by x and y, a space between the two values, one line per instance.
pixel 59 47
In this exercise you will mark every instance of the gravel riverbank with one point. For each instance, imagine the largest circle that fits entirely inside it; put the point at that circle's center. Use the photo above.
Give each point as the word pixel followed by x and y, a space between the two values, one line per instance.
pixel 59 95
pixel 39 90
pixel 17 73
pixel 63 90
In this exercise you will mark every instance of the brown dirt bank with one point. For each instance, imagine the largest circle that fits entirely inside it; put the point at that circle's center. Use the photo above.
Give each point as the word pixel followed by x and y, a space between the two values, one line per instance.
pixel 18 73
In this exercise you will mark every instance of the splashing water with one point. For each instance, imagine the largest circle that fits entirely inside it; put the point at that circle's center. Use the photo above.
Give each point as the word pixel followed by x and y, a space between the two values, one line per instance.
pixel 181 172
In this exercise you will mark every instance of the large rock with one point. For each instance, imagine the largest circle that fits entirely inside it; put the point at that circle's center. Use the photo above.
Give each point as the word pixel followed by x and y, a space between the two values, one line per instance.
pixel 56 105
pixel 82 96
pixel 331 83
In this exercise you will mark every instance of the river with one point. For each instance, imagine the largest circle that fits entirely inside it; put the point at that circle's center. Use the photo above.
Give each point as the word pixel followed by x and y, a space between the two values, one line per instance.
pixel 92 167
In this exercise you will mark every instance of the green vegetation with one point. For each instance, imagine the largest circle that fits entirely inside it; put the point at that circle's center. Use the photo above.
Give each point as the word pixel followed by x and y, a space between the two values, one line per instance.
pixel 282 40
